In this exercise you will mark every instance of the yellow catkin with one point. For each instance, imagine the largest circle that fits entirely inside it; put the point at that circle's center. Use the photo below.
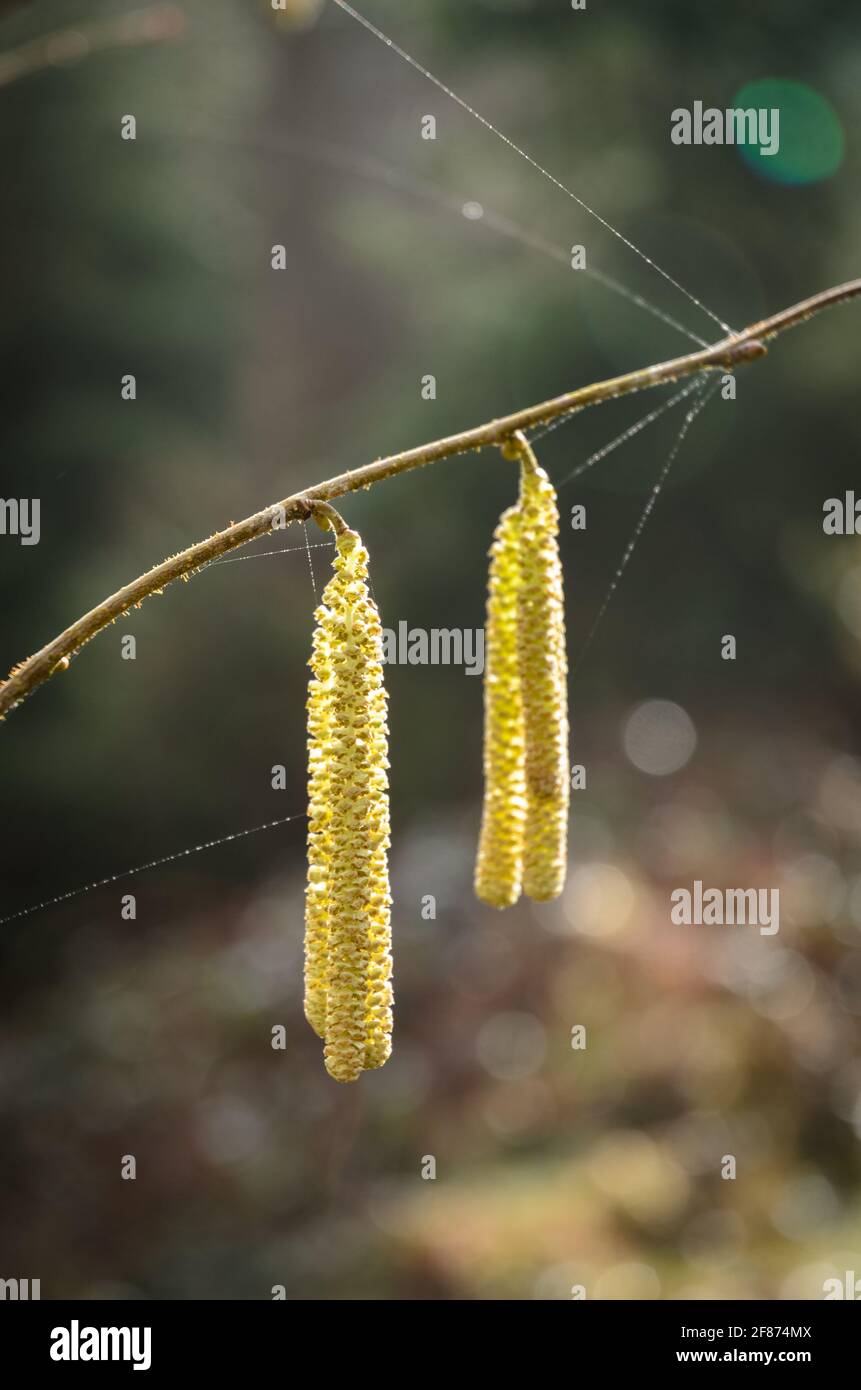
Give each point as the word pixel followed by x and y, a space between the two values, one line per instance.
pixel 319 816
pixel 378 1015
pixel 543 682
pixel 348 930
pixel 500 849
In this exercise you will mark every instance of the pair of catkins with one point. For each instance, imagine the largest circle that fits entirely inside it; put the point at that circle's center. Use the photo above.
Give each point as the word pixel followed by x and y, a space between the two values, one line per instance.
pixel 522 845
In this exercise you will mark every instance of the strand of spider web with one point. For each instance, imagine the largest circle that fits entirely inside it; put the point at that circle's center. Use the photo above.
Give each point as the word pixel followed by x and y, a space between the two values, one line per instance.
pixel 284 550
pixel 703 397
pixel 620 439
pixel 310 562
pixel 365 166
pixel 206 844
pixel 262 554
pixel 151 864
pixel 414 63
pixel 375 170
pixel 505 227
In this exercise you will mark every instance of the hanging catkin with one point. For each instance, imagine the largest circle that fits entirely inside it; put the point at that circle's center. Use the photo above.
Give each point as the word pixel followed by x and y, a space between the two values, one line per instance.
pixel 525 815
pixel 319 817
pixel 378 1015
pixel 500 850
pixel 348 934
pixel 543 682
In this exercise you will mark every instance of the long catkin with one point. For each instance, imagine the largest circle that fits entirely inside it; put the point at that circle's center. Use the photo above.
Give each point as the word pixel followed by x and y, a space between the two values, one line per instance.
pixel 499 863
pixel 524 825
pixel 348 906
pixel 543 670
pixel 378 1011
pixel 319 818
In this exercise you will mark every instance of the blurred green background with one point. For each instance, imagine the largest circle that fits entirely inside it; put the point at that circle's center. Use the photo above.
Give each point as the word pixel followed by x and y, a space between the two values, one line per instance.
pixel 554 1166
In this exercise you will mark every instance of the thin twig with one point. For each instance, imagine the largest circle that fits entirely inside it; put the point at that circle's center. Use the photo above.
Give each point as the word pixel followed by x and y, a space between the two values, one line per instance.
pixel 730 352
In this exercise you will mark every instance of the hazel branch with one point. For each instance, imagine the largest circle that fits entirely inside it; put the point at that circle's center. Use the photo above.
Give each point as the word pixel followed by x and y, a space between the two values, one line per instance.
pixel 728 353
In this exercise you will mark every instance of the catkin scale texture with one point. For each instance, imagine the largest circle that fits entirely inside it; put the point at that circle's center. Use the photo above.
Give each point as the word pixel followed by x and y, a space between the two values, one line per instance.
pixel 543 670
pixel 378 1012
pixel 319 817
pixel 348 916
pixel 500 851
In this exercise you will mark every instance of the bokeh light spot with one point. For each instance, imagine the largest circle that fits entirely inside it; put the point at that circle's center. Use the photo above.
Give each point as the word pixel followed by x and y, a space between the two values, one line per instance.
pixel 511 1046
pixel 638 1176
pixel 811 141
pixel 659 737
pixel 599 900
pixel 229 1129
